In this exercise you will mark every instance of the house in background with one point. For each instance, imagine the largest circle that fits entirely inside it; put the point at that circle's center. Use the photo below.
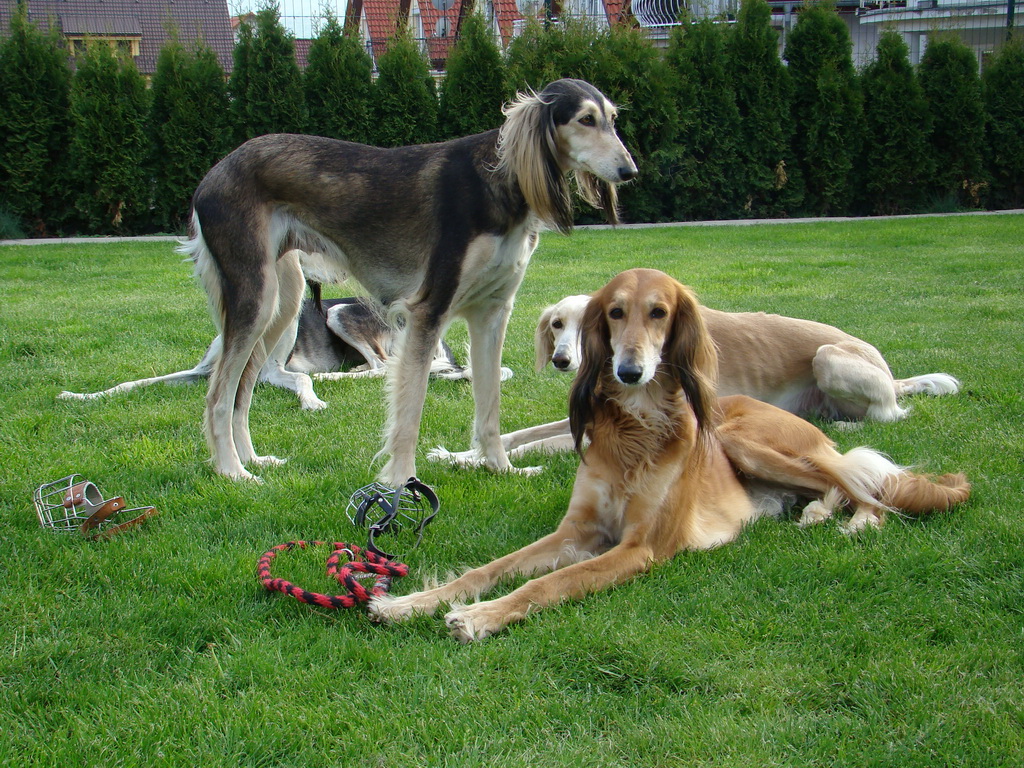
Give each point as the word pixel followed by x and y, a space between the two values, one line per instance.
pixel 140 28
pixel 980 24
pixel 435 23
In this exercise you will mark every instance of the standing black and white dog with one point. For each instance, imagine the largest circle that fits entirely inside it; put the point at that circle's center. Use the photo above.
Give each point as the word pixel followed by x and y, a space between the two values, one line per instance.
pixel 340 333
pixel 432 232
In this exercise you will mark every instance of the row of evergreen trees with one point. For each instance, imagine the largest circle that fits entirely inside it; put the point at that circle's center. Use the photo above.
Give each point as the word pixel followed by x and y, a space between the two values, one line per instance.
pixel 719 125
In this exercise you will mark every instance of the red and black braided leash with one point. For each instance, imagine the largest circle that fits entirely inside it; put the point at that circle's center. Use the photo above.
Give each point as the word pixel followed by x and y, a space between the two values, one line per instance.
pixel 355 591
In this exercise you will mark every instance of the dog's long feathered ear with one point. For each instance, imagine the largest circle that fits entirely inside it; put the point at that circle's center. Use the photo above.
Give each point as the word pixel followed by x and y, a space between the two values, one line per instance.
pixel 527 153
pixel 316 293
pixel 600 194
pixel 691 357
pixel 596 351
pixel 543 341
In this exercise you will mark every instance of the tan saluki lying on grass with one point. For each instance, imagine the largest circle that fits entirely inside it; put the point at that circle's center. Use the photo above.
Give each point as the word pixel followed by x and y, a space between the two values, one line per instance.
pixel 807 368
pixel 670 466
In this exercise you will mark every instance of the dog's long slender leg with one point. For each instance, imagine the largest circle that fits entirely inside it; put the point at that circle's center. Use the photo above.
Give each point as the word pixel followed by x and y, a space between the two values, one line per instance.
pixel 219 416
pixel 192 375
pixel 265 318
pixel 576 538
pixel 857 378
pixel 407 384
pixel 486 338
pixel 231 383
pixel 287 283
pixel 555 550
pixel 275 373
pixel 480 620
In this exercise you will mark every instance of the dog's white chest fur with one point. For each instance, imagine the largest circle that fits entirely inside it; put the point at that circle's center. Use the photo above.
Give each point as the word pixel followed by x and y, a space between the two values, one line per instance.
pixel 495 265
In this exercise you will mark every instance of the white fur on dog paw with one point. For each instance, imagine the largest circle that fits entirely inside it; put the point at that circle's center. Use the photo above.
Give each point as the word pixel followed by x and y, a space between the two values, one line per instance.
pixel 528 471
pixel 315 404
pixel 465 627
pixel 472 459
pixel 860 522
pixel 267 461
pixel 459 458
pixel 814 513
pixel 469 623
pixel 388 609
pixel 243 475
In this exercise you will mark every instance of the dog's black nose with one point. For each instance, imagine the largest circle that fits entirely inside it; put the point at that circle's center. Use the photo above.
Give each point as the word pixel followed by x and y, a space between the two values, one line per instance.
pixel 561 362
pixel 627 173
pixel 629 373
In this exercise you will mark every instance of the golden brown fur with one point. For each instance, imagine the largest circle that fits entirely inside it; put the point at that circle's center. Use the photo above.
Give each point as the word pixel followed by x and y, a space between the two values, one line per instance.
pixel 670 467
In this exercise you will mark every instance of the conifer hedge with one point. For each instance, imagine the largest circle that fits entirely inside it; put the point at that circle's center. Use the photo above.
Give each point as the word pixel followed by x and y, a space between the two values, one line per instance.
pixel 763 93
pixel 473 89
pixel 718 124
pixel 338 84
pixel 898 162
pixel 1003 91
pixel 952 88
pixel 109 146
pixel 266 85
pixel 35 83
pixel 188 129
pixel 405 97
pixel 706 178
pixel 827 109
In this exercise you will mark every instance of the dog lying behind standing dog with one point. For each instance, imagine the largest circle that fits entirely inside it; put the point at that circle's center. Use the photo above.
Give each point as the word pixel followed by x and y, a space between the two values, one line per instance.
pixel 670 466
pixel 804 367
pixel 344 332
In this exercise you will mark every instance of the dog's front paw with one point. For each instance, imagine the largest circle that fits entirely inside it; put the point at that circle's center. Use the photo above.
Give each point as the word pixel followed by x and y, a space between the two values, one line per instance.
pixel 267 461
pixel 388 609
pixel 242 475
pixel 862 520
pixel 313 404
pixel 527 471
pixel 814 513
pixel 458 458
pixel 469 623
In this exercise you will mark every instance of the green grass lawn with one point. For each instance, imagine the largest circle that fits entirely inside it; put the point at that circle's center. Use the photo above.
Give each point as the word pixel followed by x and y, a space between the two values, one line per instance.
pixel 903 647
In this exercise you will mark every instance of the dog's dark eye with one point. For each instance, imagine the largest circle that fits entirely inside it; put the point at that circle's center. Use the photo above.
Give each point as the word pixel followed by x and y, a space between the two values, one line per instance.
pixel 588 120
pixel 657 313
pixel 616 314
pixel 556 324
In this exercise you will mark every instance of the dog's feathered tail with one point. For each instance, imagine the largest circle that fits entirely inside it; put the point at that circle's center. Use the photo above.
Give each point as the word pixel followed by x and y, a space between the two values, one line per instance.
pixel 865 476
pixel 206 270
pixel 861 473
pixel 920 494
pixel 927 384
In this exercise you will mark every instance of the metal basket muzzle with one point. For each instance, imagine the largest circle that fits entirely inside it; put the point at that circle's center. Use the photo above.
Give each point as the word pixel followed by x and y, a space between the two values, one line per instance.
pixel 411 506
pixel 75 505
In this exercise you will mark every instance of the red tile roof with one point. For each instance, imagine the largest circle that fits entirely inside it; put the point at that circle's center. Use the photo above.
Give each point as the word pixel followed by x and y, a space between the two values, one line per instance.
pixel 438 30
pixel 381 20
pixel 506 13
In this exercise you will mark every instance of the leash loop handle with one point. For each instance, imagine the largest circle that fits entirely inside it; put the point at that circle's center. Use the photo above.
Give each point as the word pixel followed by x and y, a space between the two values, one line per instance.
pixel 356 592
